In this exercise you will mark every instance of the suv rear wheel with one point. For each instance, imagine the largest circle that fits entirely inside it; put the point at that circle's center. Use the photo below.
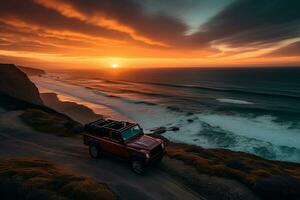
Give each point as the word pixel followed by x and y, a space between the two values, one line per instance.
pixel 137 166
pixel 94 151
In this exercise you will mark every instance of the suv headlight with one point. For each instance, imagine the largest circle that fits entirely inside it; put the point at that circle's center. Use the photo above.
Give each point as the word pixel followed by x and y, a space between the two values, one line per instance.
pixel 162 145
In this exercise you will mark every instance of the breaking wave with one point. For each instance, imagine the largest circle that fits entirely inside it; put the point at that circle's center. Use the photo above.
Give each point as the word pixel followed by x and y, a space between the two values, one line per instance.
pixel 233 101
pixel 260 135
pixel 219 89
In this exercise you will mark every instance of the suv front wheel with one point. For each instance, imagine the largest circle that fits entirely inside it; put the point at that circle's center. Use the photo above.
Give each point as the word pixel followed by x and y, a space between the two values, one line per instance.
pixel 94 151
pixel 137 166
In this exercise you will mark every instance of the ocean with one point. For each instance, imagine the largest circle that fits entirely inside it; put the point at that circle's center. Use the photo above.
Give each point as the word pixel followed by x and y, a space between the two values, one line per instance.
pixel 254 110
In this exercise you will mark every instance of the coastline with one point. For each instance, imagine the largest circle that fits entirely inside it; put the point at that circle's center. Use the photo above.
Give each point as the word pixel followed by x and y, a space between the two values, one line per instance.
pixel 77 112
pixel 50 131
pixel 221 166
pixel 260 134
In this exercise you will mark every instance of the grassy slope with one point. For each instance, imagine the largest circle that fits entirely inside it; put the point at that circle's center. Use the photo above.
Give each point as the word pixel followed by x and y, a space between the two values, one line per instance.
pixel 38 179
pixel 51 123
pixel 41 118
pixel 268 179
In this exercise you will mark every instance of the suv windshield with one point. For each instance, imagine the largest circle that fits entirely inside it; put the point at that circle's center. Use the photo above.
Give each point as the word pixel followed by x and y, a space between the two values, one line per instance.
pixel 132 133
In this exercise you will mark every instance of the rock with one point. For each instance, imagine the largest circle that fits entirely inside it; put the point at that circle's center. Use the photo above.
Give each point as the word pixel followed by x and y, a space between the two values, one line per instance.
pixel 159 130
pixel 77 112
pixel 162 130
pixel 174 128
pixel 190 120
pixel 15 83
pixel 189 114
pixel 31 71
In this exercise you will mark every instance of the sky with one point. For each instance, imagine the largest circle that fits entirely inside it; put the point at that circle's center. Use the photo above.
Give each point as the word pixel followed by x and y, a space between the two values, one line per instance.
pixel 149 33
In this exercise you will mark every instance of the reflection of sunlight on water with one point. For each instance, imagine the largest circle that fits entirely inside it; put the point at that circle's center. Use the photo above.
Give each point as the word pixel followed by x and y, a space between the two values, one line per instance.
pixel 260 135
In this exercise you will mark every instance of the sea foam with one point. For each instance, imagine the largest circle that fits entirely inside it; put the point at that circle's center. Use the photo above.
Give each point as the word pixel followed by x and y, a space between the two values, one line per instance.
pixel 258 135
pixel 233 101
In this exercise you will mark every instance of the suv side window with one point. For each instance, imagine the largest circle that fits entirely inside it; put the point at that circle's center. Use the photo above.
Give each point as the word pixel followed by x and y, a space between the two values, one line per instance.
pixel 100 132
pixel 104 132
pixel 116 136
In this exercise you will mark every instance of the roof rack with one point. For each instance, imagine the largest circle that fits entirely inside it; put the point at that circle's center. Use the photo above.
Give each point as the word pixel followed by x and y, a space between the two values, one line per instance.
pixel 112 124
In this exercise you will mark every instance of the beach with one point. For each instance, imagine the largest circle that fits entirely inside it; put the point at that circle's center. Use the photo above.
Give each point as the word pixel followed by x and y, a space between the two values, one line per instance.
pixel 264 123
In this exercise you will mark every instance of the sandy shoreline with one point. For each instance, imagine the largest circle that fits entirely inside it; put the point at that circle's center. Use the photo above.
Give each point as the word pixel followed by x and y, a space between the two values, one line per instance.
pixel 77 112
pixel 231 171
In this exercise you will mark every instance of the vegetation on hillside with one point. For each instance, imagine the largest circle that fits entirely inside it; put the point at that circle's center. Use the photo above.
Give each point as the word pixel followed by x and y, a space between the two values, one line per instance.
pixel 38 179
pixel 268 179
pixel 50 122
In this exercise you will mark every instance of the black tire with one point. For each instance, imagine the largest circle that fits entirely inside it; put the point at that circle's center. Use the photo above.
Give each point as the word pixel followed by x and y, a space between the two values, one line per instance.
pixel 138 166
pixel 94 151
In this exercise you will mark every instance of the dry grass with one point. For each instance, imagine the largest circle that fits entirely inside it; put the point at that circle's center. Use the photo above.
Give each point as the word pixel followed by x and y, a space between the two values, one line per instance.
pixel 268 179
pixel 52 123
pixel 38 179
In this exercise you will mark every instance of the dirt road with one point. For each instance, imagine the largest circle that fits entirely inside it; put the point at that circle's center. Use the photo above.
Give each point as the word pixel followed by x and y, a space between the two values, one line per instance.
pixel 17 140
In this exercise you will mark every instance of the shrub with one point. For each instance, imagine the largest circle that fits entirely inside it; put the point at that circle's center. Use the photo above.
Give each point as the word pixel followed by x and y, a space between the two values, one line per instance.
pixel 36 179
pixel 268 179
pixel 52 123
pixel 278 187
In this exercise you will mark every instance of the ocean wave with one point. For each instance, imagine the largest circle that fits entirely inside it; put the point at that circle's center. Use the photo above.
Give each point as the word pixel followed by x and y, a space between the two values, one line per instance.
pixel 219 89
pixel 234 101
pixel 145 93
pixel 119 90
pixel 260 135
pixel 124 98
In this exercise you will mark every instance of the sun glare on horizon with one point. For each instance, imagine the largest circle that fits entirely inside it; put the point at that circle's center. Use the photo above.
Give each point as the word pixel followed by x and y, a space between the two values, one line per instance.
pixel 114 66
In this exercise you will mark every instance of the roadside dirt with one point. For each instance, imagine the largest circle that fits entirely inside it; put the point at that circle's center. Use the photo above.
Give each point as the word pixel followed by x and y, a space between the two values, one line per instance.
pixel 18 140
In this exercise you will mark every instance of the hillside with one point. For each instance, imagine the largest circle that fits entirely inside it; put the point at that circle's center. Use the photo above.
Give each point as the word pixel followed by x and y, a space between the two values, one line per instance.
pixel 15 83
pixel 28 178
pixel 77 112
pixel 17 92
pixel 32 71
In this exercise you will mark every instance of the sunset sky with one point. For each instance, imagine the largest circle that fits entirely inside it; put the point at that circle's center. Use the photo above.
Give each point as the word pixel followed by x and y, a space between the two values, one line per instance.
pixel 149 33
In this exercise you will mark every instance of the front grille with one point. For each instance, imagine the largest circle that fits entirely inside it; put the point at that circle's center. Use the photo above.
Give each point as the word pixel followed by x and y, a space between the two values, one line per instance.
pixel 157 150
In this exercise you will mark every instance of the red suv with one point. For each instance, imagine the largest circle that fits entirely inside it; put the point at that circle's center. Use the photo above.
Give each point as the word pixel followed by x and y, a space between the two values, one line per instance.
pixel 125 140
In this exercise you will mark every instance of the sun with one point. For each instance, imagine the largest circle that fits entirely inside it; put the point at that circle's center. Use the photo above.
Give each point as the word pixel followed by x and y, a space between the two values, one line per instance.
pixel 114 66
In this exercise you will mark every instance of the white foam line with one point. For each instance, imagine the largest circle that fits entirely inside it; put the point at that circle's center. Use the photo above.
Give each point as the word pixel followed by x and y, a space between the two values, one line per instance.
pixel 263 129
pixel 233 101
pixel 148 116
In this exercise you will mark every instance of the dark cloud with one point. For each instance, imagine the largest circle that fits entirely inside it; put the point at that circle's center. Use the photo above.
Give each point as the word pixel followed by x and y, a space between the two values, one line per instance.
pixel 290 50
pixel 35 14
pixel 24 39
pixel 253 22
pixel 244 22
pixel 131 13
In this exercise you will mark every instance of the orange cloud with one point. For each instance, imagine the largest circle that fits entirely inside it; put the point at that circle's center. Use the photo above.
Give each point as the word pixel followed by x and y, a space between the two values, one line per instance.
pixel 79 33
pixel 99 20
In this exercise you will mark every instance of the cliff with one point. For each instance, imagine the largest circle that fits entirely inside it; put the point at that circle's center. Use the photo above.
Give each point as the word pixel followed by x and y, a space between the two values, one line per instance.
pixel 15 83
pixel 268 179
pixel 31 71
pixel 77 112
